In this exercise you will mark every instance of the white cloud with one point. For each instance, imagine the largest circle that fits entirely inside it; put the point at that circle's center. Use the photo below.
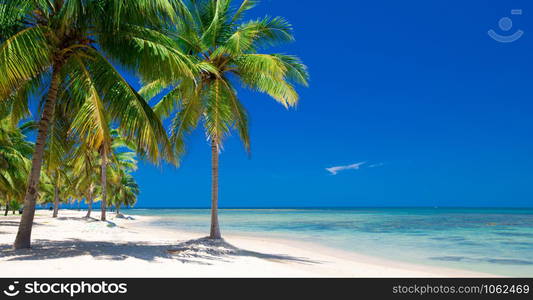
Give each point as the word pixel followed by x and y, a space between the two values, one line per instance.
pixel 337 169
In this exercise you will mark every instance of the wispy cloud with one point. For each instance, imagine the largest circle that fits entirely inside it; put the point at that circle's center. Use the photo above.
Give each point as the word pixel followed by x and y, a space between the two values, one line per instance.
pixel 337 169
pixel 376 165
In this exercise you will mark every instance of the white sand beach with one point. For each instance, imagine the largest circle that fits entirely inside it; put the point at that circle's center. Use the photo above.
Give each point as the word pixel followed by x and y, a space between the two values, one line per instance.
pixel 71 246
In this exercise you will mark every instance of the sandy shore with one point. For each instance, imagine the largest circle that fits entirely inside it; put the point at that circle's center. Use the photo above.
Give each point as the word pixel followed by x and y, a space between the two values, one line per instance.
pixel 71 246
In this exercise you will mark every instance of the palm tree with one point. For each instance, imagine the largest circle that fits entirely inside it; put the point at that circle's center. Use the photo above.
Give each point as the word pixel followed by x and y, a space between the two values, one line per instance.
pixel 85 164
pixel 48 44
pixel 126 193
pixel 15 155
pixel 56 157
pixel 124 189
pixel 226 49
pixel 92 126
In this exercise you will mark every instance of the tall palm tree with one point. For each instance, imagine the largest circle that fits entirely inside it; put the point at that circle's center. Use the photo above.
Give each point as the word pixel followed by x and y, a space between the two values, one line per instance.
pixel 227 51
pixel 92 126
pixel 58 148
pixel 48 43
pixel 87 167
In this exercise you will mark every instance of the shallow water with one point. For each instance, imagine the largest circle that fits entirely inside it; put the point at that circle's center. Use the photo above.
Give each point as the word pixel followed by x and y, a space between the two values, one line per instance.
pixel 496 241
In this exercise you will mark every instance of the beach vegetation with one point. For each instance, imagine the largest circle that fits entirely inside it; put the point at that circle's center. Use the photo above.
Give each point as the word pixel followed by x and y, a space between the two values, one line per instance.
pixel 229 51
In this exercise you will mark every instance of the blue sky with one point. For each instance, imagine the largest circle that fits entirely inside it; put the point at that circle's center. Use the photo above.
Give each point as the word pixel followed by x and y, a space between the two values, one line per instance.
pixel 439 114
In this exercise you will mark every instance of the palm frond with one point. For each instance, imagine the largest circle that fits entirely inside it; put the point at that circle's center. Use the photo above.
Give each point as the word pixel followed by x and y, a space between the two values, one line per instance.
pixel 136 119
pixel 23 57
pixel 266 73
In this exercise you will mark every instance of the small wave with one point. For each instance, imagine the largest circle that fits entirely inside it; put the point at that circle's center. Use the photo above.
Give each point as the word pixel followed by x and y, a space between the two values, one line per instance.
pixel 499 261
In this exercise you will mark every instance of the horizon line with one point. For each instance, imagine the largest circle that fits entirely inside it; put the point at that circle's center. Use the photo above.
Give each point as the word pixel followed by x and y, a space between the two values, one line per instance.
pixel 319 207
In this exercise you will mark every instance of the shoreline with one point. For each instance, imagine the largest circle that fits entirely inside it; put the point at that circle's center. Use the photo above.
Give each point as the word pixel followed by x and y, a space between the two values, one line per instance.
pixel 70 246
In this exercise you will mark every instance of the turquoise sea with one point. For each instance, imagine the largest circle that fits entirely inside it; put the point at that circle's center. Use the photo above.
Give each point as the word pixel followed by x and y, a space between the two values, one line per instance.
pixel 496 241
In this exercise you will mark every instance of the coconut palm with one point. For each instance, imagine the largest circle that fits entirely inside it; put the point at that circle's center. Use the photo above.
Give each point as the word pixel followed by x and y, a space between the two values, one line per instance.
pixel 15 154
pixel 54 190
pixel 85 170
pixel 88 171
pixel 14 206
pixel 47 44
pixel 56 157
pixel 227 49
pixel 125 193
pixel 91 125
pixel 124 189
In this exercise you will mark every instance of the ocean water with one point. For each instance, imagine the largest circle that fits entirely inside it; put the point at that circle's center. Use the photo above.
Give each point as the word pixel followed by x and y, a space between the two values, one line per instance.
pixel 496 241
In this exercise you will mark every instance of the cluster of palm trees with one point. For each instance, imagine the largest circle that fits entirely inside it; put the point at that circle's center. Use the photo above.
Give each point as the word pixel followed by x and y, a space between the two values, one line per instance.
pixel 14 162
pixel 67 57
pixel 69 170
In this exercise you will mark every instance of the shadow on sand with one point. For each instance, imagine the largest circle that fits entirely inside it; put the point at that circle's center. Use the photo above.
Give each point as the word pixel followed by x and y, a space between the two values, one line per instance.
pixel 200 251
pixel 208 249
pixel 14 223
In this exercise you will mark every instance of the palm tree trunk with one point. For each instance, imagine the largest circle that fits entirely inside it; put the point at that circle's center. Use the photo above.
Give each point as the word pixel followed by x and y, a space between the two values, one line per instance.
pixel 7 209
pixel 215 228
pixel 23 239
pixel 118 209
pixel 104 182
pixel 56 201
pixel 90 208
